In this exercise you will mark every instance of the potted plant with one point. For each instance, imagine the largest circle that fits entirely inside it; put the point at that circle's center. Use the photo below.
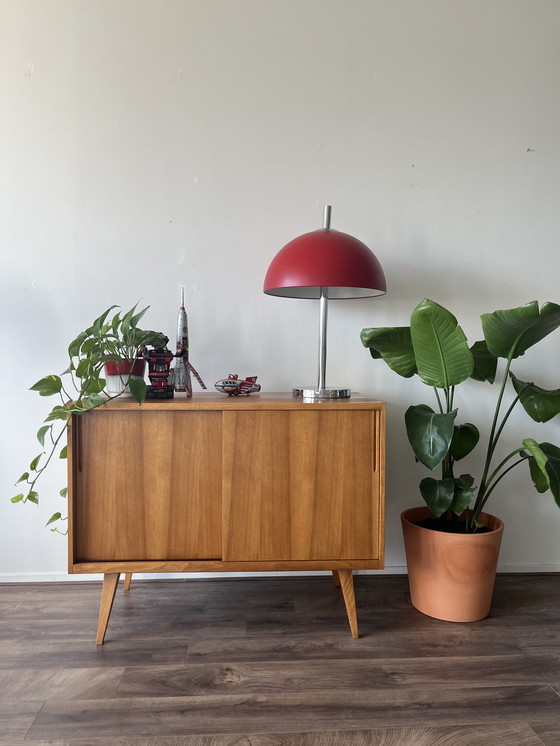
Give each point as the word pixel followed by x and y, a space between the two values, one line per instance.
pixel 114 339
pixel 452 544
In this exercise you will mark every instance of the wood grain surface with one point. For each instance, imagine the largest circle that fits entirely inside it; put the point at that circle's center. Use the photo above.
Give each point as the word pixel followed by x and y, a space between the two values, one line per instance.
pixel 147 486
pixel 268 662
pixel 300 485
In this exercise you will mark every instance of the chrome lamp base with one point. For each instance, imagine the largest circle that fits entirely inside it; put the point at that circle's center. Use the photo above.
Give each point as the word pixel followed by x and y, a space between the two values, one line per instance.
pixel 314 393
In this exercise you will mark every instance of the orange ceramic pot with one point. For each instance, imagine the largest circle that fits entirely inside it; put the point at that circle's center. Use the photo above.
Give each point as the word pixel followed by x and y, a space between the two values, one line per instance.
pixel 451 576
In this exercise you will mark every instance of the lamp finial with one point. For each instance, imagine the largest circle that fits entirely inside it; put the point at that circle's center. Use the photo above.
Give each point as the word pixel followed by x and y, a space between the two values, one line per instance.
pixel 326 217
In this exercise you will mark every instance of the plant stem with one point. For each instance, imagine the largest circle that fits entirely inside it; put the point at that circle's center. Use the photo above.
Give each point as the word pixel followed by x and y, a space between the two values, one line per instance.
pixel 502 475
pixel 492 442
pixel 438 399
pixel 489 483
pixel 505 418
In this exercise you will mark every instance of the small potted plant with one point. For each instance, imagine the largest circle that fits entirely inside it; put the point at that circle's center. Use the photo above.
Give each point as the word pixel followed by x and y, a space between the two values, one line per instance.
pixel 114 339
pixel 451 544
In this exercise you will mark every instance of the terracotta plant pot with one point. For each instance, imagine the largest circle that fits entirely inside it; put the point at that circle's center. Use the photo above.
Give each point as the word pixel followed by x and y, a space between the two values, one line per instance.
pixel 451 576
pixel 118 372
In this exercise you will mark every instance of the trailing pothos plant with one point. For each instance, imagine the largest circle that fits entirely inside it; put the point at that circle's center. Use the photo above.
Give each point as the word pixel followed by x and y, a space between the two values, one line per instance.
pixel 81 387
pixel 436 349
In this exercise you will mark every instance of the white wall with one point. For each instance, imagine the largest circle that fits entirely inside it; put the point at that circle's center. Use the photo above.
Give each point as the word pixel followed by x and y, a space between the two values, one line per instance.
pixel 145 144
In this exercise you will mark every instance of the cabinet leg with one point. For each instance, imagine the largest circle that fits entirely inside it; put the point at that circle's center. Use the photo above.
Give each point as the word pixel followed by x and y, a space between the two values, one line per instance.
pixel 347 583
pixel 336 578
pixel 127 580
pixel 110 581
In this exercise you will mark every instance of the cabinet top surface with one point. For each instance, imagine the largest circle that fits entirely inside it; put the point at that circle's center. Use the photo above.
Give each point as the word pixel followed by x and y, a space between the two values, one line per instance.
pixel 217 401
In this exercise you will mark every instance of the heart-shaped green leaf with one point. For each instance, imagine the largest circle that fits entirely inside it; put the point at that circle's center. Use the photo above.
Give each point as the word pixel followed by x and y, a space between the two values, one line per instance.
pixel 41 433
pixel 33 465
pixel 465 438
pixel 58 413
pixel 438 494
pixel 54 517
pixel 462 496
pixel 138 389
pixel 93 401
pixel 429 433
pixel 74 346
pixel 48 386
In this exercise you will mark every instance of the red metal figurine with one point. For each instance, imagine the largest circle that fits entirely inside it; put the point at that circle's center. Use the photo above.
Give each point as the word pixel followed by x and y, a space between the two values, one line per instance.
pixel 159 370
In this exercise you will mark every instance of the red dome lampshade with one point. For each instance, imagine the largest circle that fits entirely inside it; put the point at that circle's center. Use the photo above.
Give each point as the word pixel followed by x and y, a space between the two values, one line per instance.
pixel 324 264
pixel 335 261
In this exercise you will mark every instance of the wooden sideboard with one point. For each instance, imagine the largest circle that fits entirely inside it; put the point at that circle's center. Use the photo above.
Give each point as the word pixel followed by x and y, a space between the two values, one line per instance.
pixel 216 484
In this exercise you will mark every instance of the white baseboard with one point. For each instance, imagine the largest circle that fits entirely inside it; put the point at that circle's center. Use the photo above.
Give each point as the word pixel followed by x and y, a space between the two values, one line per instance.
pixel 54 577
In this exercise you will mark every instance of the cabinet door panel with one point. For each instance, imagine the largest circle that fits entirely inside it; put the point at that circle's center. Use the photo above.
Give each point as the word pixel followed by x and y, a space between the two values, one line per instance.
pixel 148 485
pixel 300 485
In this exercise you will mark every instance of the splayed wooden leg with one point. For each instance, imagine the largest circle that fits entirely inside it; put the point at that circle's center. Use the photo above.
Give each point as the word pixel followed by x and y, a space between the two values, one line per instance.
pixel 127 580
pixel 347 583
pixel 110 581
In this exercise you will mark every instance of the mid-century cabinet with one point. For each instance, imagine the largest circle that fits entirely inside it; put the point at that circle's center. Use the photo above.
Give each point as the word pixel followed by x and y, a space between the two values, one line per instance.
pixel 216 484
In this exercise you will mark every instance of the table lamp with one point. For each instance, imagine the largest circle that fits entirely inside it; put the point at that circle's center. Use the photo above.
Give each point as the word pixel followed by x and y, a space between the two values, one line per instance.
pixel 324 264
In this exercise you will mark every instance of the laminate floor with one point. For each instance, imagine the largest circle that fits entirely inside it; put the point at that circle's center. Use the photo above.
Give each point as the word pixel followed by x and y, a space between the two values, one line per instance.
pixel 268 662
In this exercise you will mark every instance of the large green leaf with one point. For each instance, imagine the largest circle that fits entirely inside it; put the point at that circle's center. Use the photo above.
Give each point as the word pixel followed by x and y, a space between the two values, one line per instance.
pixel 465 438
pixel 485 364
pixel 541 405
pixel 394 346
pixel 429 433
pixel 438 494
pixel 545 474
pixel 515 330
pixel 440 347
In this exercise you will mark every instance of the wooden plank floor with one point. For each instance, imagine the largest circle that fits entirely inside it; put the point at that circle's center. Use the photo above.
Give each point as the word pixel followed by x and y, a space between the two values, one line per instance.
pixel 267 662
